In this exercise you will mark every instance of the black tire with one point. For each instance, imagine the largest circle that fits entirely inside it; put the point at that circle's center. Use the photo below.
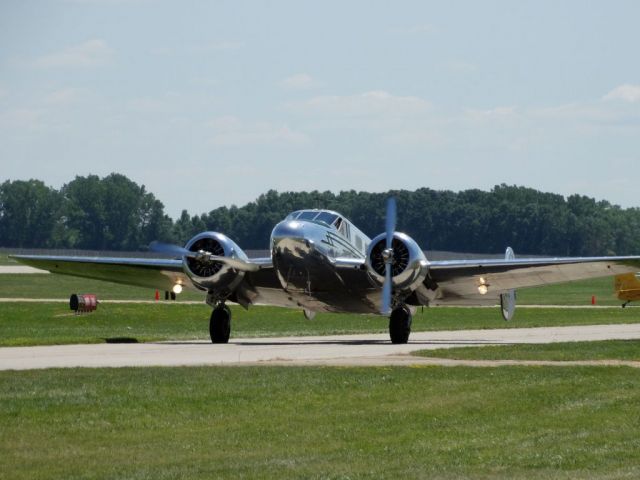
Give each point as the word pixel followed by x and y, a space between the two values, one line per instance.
pixel 220 324
pixel 400 325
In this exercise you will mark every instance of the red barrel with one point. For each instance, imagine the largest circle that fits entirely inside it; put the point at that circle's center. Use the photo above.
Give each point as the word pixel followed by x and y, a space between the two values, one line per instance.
pixel 83 303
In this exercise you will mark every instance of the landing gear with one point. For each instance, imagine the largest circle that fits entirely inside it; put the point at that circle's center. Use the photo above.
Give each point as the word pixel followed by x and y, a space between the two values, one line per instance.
pixel 220 324
pixel 400 325
pixel 624 305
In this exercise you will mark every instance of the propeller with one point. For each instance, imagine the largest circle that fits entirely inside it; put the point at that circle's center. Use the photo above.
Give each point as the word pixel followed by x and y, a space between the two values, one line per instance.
pixel 387 255
pixel 201 255
pixel 168 248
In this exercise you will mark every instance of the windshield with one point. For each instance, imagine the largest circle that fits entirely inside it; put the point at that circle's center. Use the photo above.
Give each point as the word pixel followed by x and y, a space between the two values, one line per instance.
pixel 326 217
pixel 308 215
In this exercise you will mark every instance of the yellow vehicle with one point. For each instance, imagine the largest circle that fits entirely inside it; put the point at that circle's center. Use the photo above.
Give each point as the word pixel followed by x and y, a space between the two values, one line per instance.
pixel 627 287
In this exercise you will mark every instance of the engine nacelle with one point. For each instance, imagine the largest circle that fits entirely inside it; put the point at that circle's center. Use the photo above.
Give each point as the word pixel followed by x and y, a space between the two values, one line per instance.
pixel 215 277
pixel 409 266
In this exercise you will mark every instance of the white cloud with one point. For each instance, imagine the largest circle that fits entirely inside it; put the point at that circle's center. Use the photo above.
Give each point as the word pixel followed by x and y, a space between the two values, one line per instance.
pixel 365 104
pixel 590 114
pixel 92 53
pixel 231 131
pixel 491 114
pixel 299 81
pixel 427 136
pixel 64 96
pixel 627 92
pixel 22 118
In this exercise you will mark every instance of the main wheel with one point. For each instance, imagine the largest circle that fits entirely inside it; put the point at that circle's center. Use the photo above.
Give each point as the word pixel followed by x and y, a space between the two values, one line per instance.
pixel 400 325
pixel 220 324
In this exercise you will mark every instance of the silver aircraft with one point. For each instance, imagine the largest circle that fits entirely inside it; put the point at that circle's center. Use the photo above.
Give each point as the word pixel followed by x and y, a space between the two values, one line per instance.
pixel 320 261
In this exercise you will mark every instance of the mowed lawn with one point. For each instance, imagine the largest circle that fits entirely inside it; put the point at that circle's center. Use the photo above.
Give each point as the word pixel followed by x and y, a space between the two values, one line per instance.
pixel 61 286
pixel 54 323
pixel 561 351
pixel 53 286
pixel 514 422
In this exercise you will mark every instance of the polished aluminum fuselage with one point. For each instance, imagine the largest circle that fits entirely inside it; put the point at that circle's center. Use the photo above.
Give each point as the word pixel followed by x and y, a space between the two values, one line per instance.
pixel 304 257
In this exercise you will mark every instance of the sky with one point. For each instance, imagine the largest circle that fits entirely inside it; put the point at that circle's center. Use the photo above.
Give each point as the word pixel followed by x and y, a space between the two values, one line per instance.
pixel 211 103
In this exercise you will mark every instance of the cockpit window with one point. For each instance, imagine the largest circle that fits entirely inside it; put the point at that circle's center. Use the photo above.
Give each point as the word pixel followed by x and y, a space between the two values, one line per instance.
pixel 307 215
pixel 326 217
pixel 293 215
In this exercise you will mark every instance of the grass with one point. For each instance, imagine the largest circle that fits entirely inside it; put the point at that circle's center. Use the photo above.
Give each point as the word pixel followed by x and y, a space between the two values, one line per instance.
pixel 571 293
pixel 5 260
pixel 53 323
pixel 61 286
pixel 37 285
pixel 563 351
pixel 166 423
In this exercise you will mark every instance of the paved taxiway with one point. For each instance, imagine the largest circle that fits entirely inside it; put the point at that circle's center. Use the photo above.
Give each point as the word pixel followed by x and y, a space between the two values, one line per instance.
pixel 362 349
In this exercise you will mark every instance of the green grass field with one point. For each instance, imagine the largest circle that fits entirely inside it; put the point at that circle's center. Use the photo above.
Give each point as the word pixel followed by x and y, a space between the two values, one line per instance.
pixel 511 423
pixel 335 423
pixel 571 293
pixel 54 323
pixel 61 286
pixel 562 351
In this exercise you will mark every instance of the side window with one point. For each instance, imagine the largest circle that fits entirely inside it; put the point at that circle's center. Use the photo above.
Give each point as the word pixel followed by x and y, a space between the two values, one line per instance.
pixel 345 230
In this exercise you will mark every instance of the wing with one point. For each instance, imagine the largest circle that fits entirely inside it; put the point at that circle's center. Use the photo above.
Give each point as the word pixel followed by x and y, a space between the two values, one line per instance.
pixel 458 281
pixel 156 273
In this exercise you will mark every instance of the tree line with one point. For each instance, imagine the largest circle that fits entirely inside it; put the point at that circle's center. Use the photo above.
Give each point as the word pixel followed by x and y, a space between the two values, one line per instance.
pixel 115 213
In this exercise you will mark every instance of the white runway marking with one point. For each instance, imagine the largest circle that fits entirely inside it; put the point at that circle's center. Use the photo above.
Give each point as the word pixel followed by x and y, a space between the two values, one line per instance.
pixel 19 269
pixel 357 350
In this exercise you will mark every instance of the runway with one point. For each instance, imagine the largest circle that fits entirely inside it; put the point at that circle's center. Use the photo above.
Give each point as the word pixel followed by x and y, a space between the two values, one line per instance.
pixel 347 350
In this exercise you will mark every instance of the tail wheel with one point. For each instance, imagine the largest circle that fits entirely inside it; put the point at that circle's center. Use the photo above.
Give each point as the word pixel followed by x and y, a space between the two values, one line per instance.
pixel 220 324
pixel 400 325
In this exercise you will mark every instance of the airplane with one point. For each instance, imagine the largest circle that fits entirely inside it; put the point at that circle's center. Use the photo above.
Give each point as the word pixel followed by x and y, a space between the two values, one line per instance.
pixel 321 262
pixel 627 287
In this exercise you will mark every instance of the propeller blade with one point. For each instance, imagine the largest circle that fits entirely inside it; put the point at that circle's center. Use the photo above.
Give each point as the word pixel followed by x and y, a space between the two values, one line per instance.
pixel 160 247
pixel 386 291
pixel 390 220
pixel 390 228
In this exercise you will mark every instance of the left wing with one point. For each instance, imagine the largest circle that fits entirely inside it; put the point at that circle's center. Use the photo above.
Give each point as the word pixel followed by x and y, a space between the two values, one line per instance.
pixel 459 281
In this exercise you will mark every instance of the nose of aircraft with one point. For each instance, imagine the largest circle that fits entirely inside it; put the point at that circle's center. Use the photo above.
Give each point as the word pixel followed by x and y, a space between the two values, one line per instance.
pixel 288 229
pixel 287 236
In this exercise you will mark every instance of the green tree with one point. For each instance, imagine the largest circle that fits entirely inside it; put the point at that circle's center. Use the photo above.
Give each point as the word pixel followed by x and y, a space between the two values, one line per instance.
pixel 113 213
pixel 29 214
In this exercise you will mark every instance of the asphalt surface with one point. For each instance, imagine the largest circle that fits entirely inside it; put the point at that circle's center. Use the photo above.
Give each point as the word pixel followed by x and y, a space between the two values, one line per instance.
pixel 347 350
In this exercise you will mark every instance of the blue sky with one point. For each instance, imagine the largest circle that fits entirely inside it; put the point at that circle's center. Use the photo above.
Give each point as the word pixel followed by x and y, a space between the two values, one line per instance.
pixel 213 103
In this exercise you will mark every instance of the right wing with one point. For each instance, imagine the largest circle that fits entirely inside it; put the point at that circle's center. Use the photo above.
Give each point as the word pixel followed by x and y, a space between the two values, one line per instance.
pixel 156 273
